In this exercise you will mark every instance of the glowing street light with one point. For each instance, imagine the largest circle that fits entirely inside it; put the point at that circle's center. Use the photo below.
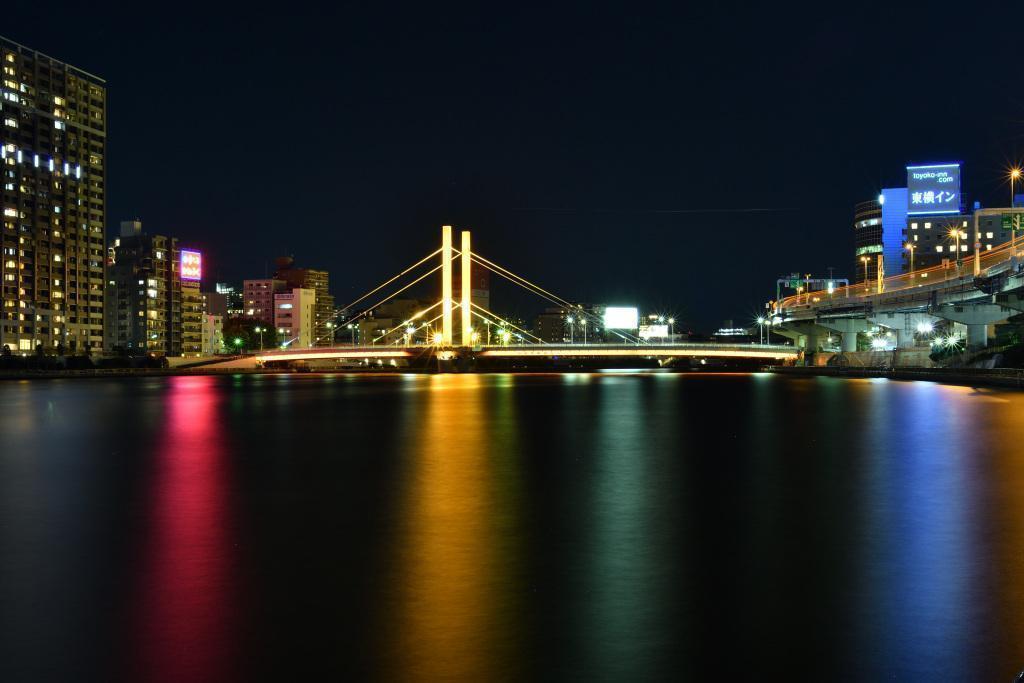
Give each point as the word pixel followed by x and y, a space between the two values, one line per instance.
pixel 259 331
pixel 238 342
pixel 330 332
pixel 864 260
pixel 352 329
pixel 910 246
pixel 505 336
pixel 1015 174
pixel 671 326
pixel 438 338
pixel 570 320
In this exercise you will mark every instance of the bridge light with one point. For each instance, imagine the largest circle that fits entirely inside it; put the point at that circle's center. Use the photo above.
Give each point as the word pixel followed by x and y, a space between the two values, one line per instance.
pixel 506 336
pixel 438 338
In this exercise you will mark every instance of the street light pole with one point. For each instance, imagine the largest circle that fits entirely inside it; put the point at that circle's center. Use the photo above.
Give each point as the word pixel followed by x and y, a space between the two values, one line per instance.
pixel 259 331
pixel 864 260
pixel 571 326
pixel 910 248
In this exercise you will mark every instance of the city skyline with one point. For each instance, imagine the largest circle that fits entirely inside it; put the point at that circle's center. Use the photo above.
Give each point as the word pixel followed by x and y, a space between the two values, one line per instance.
pixel 571 145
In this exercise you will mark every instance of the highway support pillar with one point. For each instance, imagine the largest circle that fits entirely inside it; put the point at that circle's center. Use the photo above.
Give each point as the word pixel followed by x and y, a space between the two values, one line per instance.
pixel 977 318
pixel 905 325
pixel 466 303
pixel 806 332
pixel 446 285
pixel 847 329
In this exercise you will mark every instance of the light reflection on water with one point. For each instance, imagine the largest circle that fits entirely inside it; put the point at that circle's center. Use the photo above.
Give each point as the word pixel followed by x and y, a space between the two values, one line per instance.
pixel 610 526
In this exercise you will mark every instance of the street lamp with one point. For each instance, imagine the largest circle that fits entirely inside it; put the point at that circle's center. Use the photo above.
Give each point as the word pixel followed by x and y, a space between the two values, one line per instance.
pixel 864 260
pixel 506 336
pixel 238 343
pixel 259 331
pixel 1015 174
pixel 910 246
pixel 583 322
pixel 760 330
pixel 330 333
pixel 352 329
pixel 570 320
pixel 671 327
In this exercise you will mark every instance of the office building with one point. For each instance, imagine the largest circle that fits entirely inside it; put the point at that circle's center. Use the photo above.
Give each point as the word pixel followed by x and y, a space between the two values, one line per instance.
pixel 318 281
pixel 295 317
pixel 153 302
pixel 258 298
pixel 235 299
pixel 53 161
pixel 215 303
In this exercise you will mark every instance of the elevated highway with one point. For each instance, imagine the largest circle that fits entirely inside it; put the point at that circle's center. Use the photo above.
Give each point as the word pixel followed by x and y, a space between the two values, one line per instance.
pixel 977 292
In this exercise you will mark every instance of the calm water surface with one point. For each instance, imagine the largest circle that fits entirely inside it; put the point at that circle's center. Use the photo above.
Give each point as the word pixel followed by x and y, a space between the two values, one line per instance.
pixel 618 527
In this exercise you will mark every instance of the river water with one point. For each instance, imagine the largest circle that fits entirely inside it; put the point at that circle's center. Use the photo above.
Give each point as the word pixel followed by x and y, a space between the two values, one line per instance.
pixel 607 526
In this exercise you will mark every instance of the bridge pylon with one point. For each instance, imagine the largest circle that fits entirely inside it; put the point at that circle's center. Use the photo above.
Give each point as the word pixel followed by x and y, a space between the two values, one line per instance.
pixel 446 285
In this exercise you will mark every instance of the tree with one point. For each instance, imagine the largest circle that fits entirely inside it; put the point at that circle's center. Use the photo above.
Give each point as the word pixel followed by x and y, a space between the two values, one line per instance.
pixel 244 329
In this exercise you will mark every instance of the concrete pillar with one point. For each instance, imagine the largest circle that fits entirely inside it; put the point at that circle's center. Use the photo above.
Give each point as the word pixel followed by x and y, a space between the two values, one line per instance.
pixel 904 339
pixel 977 318
pixel 977 336
pixel 847 329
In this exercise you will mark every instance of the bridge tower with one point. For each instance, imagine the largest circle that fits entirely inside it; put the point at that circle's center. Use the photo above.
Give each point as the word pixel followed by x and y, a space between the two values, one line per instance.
pixel 446 285
pixel 464 307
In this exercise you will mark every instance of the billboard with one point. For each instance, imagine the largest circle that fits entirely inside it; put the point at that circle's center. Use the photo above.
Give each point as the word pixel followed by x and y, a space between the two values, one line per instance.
pixel 653 331
pixel 933 189
pixel 620 318
pixel 191 265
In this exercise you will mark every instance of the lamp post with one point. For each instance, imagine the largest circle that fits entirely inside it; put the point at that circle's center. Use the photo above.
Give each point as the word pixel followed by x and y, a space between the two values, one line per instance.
pixel 570 320
pixel 1015 174
pixel 955 233
pixel 864 260
pixel 760 330
pixel 671 328
pixel 910 247
pixel 259 331
pixel 584 324
pixel 352 329
pixel 330 333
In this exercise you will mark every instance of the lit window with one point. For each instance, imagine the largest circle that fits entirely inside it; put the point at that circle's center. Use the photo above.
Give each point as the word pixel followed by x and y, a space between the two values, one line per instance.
pixel 915 238
pixel 11 122
pixel 927 226
pixel 939 248
pixel 59 125
pixel 988 235
pixel 963 247
pixel 913 226
pixel 57 258
pixel 988 247
pixel 965 224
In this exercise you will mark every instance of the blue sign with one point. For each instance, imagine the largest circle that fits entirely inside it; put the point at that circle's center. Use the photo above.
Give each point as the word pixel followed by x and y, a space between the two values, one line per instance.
pixel 933 189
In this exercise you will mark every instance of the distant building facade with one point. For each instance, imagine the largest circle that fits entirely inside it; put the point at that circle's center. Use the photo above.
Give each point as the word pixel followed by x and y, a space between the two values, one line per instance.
pixel 319 282
pixel 258 298
pixel 295 317
pixel 151 308
pixel 212 335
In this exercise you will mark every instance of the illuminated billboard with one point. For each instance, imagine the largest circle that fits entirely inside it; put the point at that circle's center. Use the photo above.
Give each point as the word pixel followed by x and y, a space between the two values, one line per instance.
pixel 653 331
pixel 191 265
pixel 933 189
pixel 620 318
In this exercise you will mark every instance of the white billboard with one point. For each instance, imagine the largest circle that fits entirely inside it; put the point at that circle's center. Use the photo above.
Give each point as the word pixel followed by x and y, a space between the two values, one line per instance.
pixel 653 331
pixel 620 318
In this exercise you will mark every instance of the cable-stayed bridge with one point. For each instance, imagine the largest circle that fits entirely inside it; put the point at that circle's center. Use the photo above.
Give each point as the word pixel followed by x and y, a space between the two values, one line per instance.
pixel 449 328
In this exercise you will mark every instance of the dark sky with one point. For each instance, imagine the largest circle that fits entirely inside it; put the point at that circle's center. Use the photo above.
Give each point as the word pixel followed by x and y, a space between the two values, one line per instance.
pixel 680 159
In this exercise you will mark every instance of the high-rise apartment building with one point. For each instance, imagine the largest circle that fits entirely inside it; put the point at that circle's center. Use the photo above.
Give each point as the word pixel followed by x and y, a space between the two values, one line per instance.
pixel 317 280
pixel 154 304
pixel 53 163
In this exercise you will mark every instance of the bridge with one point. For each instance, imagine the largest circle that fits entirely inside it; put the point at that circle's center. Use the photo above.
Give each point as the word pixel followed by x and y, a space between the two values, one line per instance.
pixel 435 337
pixel 985 289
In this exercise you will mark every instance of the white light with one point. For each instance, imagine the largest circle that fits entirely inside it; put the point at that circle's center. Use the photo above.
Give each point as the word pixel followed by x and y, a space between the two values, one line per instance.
pixel 881 199
pixel 620 318
pixel 925 328
pixel 878 343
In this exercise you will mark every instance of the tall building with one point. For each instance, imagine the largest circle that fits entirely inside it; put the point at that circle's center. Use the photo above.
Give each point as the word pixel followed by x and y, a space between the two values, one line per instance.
pixel 53 157
pixel 153 300
pixel 318 281
pixel 936 241
pixel 867 235
pixel 258 298
pixel 295 317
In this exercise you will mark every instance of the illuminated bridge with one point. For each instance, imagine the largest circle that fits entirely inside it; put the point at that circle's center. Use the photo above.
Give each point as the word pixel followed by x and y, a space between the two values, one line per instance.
pixel 984 289
pixel 437 324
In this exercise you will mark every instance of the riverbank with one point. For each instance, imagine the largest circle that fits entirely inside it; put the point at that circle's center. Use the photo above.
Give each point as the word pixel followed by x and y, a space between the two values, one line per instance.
pixel 1004 378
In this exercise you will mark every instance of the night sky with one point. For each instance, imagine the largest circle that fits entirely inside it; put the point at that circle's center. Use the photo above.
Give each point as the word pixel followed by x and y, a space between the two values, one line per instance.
pixel 679 159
